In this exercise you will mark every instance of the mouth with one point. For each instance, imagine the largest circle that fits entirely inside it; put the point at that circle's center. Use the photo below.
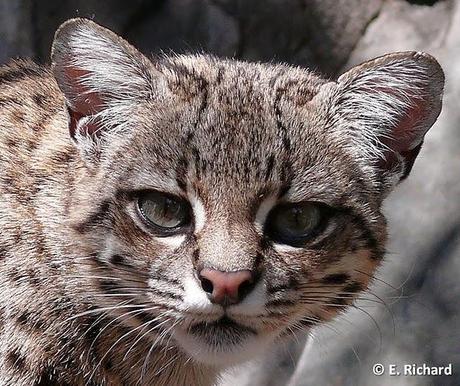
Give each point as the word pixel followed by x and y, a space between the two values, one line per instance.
pixel 221 342
pixel 221 332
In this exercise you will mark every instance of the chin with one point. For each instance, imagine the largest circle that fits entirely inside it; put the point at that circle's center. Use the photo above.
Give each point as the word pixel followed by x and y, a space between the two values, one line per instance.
pixel 222 343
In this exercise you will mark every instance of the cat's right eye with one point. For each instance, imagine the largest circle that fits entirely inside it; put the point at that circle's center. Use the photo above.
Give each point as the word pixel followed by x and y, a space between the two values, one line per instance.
pixel 294 223
pixel 163 212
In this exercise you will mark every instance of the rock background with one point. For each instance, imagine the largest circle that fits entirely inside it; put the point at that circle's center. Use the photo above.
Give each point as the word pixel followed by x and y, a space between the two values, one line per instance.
pixel 420 280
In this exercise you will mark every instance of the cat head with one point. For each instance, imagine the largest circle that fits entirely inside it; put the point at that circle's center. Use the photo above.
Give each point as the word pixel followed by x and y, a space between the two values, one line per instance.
pixel 230 203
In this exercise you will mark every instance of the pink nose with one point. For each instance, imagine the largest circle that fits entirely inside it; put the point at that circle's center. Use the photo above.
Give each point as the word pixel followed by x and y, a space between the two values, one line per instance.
pixel 226 288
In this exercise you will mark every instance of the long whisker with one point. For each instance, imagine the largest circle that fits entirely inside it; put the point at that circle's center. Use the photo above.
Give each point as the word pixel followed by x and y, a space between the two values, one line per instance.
pixel 114 344
pixel 131 314
pixel 328 326
pixel 98 310
pixel 139 338
pixel 158 340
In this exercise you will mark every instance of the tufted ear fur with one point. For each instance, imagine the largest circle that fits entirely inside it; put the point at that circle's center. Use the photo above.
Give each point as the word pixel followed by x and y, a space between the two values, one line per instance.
pixel 385 106
pixel 102 77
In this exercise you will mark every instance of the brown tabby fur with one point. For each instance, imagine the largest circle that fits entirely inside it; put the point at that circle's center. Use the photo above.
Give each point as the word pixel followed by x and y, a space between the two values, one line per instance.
pixel 90 297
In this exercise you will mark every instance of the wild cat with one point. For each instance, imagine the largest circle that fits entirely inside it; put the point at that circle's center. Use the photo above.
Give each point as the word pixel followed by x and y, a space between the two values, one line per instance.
pixel 163 219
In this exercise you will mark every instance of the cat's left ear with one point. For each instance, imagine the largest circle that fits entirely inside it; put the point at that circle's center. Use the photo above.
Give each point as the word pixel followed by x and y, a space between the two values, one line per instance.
pixel 101 76
pixel 386 106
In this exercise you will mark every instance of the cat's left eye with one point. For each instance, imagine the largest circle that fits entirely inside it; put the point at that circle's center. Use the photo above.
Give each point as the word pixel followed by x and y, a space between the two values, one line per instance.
pixel 164 212
pixel 294 223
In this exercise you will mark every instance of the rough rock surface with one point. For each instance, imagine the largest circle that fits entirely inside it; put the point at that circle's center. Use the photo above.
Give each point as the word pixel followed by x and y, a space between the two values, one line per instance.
pixel 419 280
pixel 16 29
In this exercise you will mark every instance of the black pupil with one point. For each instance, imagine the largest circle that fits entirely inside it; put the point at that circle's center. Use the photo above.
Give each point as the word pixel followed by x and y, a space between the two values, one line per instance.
pixel 293 223
pixel 171 209
pixel 298 220
pixel 163 211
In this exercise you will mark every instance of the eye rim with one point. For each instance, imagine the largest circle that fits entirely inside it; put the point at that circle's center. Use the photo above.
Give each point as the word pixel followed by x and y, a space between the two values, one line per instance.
pixel 184 227
pixel 325 213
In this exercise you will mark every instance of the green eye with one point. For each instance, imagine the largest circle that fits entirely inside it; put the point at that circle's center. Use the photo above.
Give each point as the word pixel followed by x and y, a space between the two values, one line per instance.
pixel 163 211
pixel 294 224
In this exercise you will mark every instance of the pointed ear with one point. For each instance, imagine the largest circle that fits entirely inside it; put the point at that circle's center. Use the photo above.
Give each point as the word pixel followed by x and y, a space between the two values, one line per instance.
pixel 386 106
pixel 100 75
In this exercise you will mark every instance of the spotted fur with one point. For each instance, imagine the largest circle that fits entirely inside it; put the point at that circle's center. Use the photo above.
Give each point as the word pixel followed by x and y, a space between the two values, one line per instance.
pixel 91 297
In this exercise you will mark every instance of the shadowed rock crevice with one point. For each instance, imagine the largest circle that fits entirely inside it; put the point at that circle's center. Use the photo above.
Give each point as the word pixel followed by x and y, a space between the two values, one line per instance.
pixel 319 34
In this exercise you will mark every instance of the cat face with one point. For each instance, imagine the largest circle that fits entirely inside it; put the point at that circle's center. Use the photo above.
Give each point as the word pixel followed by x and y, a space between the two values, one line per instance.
pixel 225 204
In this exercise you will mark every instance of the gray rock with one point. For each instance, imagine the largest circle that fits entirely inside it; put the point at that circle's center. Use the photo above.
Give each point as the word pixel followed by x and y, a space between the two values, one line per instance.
pixel 187 26
pixel 319 34
pixel 16 33
pixel 117 15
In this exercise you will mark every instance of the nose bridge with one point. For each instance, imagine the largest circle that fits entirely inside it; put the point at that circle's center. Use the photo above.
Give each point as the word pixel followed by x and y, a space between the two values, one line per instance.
pixel 228 243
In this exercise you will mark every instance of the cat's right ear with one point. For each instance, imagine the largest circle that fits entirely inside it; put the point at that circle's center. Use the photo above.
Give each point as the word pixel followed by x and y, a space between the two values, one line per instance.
pixel 101 76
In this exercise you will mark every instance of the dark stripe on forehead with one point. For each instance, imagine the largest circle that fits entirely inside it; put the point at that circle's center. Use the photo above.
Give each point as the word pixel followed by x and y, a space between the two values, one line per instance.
pixel 286 176
pixel 269 167
pixel 199 163
pixel 275 78
pixel 220 74
pixel 183 163
pixel 286 172
pixel 203 85
pixel 181 173
pixel 282 130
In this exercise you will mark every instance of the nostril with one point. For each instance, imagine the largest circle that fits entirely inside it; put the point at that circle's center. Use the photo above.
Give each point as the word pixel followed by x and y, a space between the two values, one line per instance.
pixel 226 288
pixel 245 287
pixel 207 285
